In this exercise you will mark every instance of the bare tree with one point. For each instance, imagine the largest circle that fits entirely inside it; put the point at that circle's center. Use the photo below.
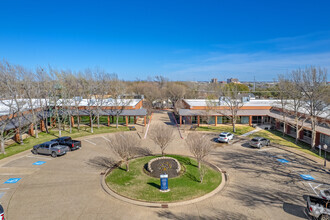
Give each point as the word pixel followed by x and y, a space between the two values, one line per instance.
pixel 283 87
pixel 90 93
pixel 102 88
pixel 55 91
pixel 42 83
pixel 295 107
pixel 230 102
pixel 199 146
pixel 77 84
pixel 202 172
pixel 125 146
pixel 12 81
pixel 30 92
pixel 117 89
pixel 312 84
pixel 175 92
pixel 7 109
pixel 162 135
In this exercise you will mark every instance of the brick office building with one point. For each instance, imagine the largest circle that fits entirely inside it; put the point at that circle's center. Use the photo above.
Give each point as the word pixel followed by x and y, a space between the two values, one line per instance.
pixel 253 111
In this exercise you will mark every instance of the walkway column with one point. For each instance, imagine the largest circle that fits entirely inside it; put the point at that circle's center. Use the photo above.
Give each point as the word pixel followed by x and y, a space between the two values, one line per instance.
pixel 288 129
pixel 31 130
pixel 53 122
pixel 126 119
pixel 250 120
pixel 134 119
pixel 301 134
pixel 145 121
pixel 16 137
pixel 108 120
pixel 180 120
pixel 72 121
pixel 277 125
pixel 317 139
pixel 216 120
pixel 42 125
pixel 198 120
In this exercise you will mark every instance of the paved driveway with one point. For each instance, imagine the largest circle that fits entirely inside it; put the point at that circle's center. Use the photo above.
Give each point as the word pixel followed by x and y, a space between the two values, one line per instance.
pixel 68 187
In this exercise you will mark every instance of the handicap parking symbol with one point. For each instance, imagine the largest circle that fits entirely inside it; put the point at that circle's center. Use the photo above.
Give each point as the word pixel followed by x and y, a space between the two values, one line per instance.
pixel 282 160
pixel 12 180
pixel 39 163
pixel 307 177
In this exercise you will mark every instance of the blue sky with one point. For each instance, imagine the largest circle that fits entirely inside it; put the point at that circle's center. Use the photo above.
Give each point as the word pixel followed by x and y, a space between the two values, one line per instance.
pixel 182 40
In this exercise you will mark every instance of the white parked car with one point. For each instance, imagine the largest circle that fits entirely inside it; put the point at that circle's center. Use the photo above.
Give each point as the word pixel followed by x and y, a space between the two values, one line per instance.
pixel 225 137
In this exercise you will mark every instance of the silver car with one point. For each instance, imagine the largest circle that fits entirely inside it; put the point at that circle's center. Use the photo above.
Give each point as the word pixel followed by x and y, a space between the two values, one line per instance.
pixel 225 137
pixel 259 142
pixel 50 148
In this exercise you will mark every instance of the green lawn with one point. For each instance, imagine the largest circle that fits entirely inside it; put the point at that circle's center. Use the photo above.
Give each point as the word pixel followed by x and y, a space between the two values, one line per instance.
pixel 103 120
pixel 240 129
pixel 43 137
pixel 288 141
pixel 136 184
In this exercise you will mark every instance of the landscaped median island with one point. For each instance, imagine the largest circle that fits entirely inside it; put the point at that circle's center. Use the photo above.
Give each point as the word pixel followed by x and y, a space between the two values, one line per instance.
pixel 138 185
pixel 240 129
pixel 43 137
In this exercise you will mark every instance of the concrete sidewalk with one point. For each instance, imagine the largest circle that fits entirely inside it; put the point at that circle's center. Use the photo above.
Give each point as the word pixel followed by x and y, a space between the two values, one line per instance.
pixel 251 132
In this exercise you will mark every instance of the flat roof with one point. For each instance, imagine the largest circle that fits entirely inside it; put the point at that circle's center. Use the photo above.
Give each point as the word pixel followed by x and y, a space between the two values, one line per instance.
pixel 37 103
pixel 245 112
pixel 212 102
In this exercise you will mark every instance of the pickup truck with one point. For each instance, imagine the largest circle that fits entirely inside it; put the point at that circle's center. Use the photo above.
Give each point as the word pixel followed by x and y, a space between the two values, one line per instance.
pixel 318 207
pixel 50 148
pixel 67 141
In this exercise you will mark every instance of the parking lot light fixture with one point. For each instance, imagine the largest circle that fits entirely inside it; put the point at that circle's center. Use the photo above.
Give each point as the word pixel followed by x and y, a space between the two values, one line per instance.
pixel 325 147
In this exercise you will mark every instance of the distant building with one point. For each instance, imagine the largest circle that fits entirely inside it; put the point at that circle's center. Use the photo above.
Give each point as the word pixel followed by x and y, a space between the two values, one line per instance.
pixel 222 82
pixel 232 80
pixel 214 80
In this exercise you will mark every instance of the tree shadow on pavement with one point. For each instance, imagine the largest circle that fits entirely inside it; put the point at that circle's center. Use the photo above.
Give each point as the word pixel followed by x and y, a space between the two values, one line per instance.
pixel 142 151
pixel 269 181
pixel 102 162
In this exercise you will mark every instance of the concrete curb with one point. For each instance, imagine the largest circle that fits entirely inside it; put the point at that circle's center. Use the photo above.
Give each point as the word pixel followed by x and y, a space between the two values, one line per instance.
pixel 163 204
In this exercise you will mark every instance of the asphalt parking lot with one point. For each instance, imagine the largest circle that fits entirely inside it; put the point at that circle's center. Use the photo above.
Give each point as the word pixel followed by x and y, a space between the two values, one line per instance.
pixel 260 185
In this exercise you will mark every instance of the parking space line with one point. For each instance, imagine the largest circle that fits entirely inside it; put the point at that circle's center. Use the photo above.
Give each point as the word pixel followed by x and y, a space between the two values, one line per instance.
pixel 4 188
pixel 90 142
pixel 38 157
pixel 1 194
pixel 106 138
pixel 313 188
pixel 266 149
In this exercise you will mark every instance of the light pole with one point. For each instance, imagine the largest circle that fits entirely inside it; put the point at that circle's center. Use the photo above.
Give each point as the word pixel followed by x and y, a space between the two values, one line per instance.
pixel 325 147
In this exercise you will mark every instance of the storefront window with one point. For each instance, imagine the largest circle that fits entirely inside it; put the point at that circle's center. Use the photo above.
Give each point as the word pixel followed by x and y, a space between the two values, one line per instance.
pixel 308 133
pixel 245 120
pixel 325 139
